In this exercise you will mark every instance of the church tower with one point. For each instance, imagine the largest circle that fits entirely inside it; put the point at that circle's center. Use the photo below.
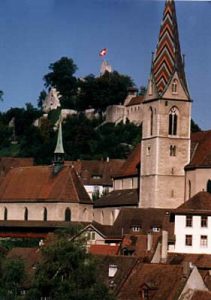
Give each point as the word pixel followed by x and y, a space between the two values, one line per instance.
pixel 166 125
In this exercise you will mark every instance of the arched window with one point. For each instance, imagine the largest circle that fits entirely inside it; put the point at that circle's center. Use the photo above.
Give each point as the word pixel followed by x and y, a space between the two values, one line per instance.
pixel 26 214
pixel 173 118
pixel 174 86
pixel 67 215
pixel 5 214
pixel 151 121
pixel 45 214
pixel 172 150
pixel 189 189
pixel 209 186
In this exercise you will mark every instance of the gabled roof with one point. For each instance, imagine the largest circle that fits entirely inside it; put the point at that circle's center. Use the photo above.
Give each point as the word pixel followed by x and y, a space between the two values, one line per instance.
pixel 199 203
pixel 162 282
pixel 146 218
pixel 200 150
pixel 118 198
pixel 132 164
pixel 124 265
pixel 97 172
pixel 168 57
pixel 39 184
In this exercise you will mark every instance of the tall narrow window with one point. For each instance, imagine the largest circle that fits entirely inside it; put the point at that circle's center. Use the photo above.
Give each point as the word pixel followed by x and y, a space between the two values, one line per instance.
pixel 26 214
pixel 188 240
pixel 174 86
pixel 45 214
pixel 209 186
pixel 5 214
pixel 204 221
pixel 189 221
pixel 203 241
pixel 151 121
pixel 67 216
pixel 173 118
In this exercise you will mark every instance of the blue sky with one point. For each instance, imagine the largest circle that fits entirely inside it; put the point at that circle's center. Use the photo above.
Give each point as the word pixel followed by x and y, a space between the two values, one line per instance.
pixel 35 33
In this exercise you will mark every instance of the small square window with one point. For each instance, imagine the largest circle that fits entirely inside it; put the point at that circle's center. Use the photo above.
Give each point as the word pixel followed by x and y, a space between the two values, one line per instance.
pixel 204 241
pixel 188 240
pixel 189 221
pixel 204 221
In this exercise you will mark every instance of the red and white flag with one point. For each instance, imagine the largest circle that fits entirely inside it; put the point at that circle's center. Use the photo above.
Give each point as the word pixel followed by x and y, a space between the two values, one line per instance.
pixel 103 52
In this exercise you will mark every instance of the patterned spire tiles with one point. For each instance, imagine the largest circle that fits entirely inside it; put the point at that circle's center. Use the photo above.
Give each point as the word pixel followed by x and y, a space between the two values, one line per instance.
pixel 168 57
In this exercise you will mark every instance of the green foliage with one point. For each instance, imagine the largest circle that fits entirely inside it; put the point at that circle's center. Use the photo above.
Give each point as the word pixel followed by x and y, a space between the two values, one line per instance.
pixel 11 278
pixel 99 92
pixel 67 271
pixel 9 243
pixel 61 77
pixel 194 126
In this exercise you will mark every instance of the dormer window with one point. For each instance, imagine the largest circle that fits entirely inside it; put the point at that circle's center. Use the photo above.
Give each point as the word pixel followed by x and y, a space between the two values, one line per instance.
pixel 156 229
pixel 174 86
pixel 96 176
pixel 136 228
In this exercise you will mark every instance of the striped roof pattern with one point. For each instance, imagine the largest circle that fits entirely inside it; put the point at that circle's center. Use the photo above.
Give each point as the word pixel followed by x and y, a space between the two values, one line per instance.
pixel 167 57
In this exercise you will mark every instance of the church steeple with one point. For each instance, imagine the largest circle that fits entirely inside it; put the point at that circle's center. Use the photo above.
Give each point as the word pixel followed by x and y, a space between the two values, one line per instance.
pixel 58 161
pixel 167 59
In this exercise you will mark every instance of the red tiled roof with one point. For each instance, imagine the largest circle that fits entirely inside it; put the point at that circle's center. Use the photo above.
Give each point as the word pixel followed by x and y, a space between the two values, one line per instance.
pixel 200 150
pixel 130 167
pixel 89 170
pixel 127 197
pixel 38 183
pixel 162 281
pixel 201 261
pixel 201 202
pixel 103 249
pixel 201 295
pixel 136 100
pixel 6 163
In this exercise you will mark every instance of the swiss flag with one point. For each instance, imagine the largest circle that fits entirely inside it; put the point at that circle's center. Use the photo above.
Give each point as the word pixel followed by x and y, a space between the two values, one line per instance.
pixel 103 52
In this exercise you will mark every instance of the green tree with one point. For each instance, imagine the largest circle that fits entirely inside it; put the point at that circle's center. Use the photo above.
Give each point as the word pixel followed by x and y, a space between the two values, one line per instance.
pixel 67 272
pixel 11 278
pixel 99 92
pixel 194 126
pixel 61 76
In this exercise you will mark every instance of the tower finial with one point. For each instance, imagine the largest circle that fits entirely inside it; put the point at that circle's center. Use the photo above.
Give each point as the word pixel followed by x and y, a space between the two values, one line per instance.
pixel 58 161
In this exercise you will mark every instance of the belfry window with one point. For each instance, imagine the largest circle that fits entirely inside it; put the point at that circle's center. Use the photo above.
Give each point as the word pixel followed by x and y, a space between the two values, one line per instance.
pixel 151 121
pixel 173 118
pixel 174 86
pixel 209 186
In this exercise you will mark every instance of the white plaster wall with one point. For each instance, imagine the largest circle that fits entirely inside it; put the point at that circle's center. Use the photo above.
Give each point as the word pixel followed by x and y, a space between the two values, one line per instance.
pixel 106 216
pixel 198 179
pixel 196 231
pixel 55 211
pixel 126 183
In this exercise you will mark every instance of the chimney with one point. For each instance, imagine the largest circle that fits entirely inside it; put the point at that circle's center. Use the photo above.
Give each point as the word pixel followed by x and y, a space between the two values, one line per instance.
pixel 186 269
pixel 164 246
pixel 149 241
